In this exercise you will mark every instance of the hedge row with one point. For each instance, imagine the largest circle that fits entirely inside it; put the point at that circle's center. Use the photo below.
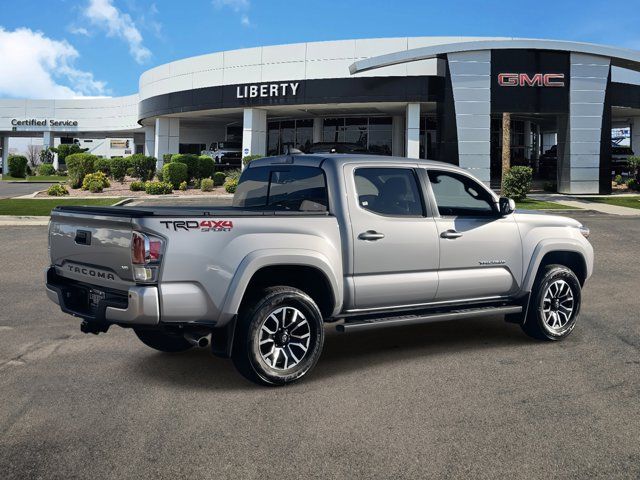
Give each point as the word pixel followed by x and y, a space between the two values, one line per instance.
pixel 81 164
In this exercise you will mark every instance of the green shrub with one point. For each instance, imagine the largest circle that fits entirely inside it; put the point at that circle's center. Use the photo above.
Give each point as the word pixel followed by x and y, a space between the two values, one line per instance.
pixel 166 158
pixel 79 165
pixel 29 171
pixel 231 184
pixel 57 190
pixel 136 186
pixel 119 168
pixel 130 171
pixel 183 186
pixel 159 175
pixel 219 178
pixel 46 169
pixel 618 180
pixel 206 184
pixel 94 186
pixel 144 167
pixel 249 158
pixel 66 150
pixel 191 161
pixel 632 184
pixel 205 166
pixel 158 188
pixel 95 178
pixel 103 165
pixel 17 166
pixel 517 183
pixel 175 173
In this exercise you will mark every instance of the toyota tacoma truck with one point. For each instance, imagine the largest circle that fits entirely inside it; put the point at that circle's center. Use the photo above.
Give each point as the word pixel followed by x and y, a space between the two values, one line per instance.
pixel 362 242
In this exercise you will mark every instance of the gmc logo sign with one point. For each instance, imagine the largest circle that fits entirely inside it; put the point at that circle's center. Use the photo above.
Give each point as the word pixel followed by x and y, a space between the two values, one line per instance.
pixel 536 80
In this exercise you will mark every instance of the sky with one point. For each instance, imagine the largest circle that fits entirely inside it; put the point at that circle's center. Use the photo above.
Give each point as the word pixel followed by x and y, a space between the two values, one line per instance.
pixel 76 48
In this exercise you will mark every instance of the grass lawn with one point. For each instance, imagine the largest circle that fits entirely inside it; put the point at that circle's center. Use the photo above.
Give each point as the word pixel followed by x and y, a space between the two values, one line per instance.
pixel 531 204
pixel 631 201
pixel 37 207
pixel 37 178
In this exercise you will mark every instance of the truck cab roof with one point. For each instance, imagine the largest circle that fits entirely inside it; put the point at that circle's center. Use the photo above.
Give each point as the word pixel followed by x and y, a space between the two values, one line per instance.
pixel 338 159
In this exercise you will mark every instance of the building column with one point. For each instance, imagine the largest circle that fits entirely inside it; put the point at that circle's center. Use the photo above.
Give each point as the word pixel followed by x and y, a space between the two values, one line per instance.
pixel 166 138
pixel 5 155
pixel 635 135
pixel 48 142
pixel 317 129
pixel 471 84
pixel 149 141
pixel 412 131
pixel 397 136
pixel 254 132
pixel 579 167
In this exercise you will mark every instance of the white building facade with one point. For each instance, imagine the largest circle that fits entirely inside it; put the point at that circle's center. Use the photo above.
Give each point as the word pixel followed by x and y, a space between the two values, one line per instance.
pixel 421 97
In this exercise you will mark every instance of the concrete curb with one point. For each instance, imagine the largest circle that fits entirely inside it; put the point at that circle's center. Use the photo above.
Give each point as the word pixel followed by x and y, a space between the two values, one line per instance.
pixel 23 221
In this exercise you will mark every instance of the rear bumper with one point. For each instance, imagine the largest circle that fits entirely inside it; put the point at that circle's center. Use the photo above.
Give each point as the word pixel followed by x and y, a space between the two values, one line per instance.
pixel 139 305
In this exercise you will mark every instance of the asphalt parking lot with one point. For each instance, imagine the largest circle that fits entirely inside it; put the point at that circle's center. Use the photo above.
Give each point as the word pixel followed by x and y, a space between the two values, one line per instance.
pixel 14 189
pixel 468 399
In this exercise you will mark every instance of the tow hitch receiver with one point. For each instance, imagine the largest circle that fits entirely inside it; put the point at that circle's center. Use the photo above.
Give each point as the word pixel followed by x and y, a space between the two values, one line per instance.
pixel 94 327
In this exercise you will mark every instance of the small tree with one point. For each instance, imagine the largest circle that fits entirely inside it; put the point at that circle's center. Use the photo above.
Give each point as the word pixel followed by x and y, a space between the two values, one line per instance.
pixel 634 167
pixel 46 155
pixel 506 147
pixel 33 155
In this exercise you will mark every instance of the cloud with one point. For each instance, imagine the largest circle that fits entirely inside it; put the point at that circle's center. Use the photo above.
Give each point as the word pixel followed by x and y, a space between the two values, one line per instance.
pixel 78 31
pixel 238 6
pixel 40 67
pixel 103 14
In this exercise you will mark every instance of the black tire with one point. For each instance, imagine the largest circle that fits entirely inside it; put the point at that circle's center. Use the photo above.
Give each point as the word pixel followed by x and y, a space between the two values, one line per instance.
pixel 164 342
pixel 537 321
pixel 280 303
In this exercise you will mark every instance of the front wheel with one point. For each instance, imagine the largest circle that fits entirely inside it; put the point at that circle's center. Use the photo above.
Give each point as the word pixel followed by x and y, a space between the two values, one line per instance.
pixel 554 305
pixel 279 337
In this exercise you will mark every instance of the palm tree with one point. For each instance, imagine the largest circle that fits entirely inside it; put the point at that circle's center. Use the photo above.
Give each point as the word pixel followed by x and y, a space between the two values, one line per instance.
pixel 506 147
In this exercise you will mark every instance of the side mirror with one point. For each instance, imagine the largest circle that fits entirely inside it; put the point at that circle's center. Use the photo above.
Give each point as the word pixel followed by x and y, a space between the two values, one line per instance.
pixel 506 205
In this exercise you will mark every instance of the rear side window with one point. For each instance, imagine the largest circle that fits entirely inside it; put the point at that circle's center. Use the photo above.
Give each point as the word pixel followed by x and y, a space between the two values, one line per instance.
pixel 294 188
pixel 389 191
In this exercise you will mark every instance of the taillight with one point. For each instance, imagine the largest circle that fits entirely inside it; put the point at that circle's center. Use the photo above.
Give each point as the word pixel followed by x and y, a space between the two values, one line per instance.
pixel 146 254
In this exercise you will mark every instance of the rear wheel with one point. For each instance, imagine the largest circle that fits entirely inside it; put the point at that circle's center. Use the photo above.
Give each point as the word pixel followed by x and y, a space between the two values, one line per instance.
pixel 555 304
pixel 279 337
pixel 164 342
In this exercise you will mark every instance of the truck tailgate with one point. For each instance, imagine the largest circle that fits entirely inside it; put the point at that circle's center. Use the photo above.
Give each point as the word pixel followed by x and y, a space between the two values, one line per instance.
pixel 92 248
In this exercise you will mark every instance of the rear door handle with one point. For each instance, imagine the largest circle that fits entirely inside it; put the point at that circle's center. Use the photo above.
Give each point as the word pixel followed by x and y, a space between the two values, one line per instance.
pixel 371 235
pixel 450 234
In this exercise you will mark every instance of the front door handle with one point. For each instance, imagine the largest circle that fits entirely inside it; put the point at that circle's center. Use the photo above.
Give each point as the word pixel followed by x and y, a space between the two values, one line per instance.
pixel 371 235
pixel 450 234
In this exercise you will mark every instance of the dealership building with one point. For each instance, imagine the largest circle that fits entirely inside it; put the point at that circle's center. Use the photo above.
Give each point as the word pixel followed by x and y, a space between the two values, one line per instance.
pixel 439 98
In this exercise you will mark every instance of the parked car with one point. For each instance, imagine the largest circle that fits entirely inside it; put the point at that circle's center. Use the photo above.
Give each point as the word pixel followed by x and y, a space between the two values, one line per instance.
pixel 225 152
pixel 619 159
pixel 548 164
pixel 361 241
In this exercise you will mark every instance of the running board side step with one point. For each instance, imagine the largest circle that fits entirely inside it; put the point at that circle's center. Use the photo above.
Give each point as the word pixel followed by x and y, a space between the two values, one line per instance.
pixel 371 323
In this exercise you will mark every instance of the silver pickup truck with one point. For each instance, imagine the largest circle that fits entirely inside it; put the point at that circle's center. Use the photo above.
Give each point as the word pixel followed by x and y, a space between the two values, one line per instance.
pixel 364 242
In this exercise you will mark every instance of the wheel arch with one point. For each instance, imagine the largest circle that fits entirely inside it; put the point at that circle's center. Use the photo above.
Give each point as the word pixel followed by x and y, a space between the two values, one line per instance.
pixel 306 270
pixel 569 254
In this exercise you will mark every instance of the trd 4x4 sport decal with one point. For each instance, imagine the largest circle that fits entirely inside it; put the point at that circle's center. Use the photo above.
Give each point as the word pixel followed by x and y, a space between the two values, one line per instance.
pixel 202 225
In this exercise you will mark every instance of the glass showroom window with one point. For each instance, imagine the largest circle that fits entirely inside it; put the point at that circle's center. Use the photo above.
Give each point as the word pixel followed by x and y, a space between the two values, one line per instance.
pixel 372 133
pixel 289 133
